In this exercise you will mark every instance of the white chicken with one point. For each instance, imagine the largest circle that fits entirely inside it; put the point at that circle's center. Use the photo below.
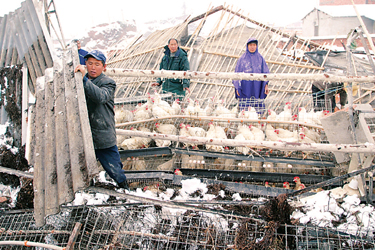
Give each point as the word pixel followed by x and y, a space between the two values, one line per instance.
pixel 123 115
pixel 304 139
pixel 271 135
pixel 245 131
pixel 167 129
pixel 250 113
pixel 222 111
pixel 312 134
pixel 243 150
pixel 136 142
pixel 198 110
pixel 184 132
pixel 271 115
pixel 304 117
pixel 286 114
pixel 316 116
pixel 196 131
pixel 176 107
pixel 158 112
pixel 257 132
pixel 286 135
pixel 215 132
pixel 142 114
pixel 190 109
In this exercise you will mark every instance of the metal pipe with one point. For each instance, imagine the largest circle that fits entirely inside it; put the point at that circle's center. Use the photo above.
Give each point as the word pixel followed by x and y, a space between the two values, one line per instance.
pixel 315 147
pixel 118 72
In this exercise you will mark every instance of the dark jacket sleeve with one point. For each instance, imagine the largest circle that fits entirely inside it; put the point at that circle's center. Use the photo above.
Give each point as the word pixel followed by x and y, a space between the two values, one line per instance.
pixel 101 94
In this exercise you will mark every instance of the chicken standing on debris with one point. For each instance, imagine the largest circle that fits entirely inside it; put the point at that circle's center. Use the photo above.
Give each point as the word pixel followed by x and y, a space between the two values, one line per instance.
pixel 299 184
pixel 286 185
pixel 177 172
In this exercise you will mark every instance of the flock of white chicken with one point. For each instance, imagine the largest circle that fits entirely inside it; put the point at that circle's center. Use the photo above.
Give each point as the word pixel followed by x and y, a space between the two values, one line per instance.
pixel 256 128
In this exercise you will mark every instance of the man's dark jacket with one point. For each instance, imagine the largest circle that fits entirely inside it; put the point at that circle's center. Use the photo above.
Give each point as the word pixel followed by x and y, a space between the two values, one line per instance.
pixel 178 62
pixel 100 105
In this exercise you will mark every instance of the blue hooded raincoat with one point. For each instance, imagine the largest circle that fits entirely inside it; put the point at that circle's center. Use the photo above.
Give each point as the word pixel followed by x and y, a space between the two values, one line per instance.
pixel 251 63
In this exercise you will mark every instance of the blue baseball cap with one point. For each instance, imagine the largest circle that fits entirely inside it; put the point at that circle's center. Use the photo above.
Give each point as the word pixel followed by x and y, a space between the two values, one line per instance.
pixel 97 54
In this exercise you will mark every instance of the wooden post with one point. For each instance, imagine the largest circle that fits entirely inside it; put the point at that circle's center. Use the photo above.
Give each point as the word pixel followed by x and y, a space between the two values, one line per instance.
pixel 73 236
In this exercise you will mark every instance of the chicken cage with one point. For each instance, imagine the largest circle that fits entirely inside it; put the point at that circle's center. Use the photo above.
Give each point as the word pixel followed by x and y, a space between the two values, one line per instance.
pixel 148 226
pixel 257 158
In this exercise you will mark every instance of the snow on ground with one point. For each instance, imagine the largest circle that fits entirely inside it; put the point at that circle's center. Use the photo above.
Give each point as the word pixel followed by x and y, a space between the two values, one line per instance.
pixel 323 210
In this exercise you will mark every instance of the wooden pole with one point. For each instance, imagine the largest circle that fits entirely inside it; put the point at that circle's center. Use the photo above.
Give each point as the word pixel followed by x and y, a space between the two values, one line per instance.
pixel 285 146
pixel 364 28
pixel 234 76
pixel 16 172
pixel 73 236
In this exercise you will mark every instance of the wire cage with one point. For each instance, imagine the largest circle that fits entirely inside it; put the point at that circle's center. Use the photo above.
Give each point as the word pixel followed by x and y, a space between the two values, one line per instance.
pixel 148 226
pixel 229 129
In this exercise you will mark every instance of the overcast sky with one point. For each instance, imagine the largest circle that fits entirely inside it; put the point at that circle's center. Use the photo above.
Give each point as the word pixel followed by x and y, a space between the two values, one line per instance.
pixel 78 15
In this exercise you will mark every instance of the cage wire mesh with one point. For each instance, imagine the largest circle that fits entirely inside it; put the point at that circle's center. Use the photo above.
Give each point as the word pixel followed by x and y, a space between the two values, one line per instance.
pixel 228 129
pixel 149 226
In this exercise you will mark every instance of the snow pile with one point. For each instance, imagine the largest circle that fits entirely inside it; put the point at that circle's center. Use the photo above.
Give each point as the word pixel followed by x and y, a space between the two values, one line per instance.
pixel 349 216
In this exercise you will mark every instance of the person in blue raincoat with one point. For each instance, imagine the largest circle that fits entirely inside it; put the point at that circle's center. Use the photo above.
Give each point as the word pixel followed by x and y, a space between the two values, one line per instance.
pixel 251 93
pixel 176 59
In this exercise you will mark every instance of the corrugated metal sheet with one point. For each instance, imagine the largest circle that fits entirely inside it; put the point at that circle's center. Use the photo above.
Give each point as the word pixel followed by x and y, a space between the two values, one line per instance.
pixel 60 142
pixel 63 153
pixel 23 39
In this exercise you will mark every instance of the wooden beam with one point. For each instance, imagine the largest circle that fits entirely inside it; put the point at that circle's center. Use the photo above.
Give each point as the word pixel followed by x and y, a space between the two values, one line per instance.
pixel 118 72
pixel 285 146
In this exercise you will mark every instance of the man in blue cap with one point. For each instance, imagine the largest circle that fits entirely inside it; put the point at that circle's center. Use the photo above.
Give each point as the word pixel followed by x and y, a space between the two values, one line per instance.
pixel 99 91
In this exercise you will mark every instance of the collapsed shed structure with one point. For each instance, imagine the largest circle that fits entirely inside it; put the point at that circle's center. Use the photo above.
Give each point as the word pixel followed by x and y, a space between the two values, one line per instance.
pixel 64 160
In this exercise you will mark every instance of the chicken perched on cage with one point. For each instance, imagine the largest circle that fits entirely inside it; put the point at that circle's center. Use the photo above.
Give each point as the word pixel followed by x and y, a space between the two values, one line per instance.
pixel 311 117
pixel 248 113
pixel 209 109
pixel 142 114
pixel 176 107
pixel 257 132
pixel 311 133
pixel 184 132
pixel 243 150
pixel 245 131
pixel 123 115
pixel 196 131
pixel 304 117
pixel 271 115
pixel 177 172
pixel 286 114
pixel 271 135
pixel 158 112
pixel 316 116
pixel 166 129
pixel 224 112
pixel 136 142
pixel 215 132
pixel 286 135
pixel 190 108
